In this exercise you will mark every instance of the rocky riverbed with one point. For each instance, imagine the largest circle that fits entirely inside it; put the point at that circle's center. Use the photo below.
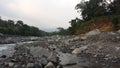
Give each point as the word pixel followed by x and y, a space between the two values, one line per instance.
pixel 92 50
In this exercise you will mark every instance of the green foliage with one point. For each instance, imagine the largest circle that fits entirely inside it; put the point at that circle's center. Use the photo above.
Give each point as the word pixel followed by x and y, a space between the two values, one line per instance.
pixel 9 27
pixel 116 22
pixel 62 31
pixel 93 10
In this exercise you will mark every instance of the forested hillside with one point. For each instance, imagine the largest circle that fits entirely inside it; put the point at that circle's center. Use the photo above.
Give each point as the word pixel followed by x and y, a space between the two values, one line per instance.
pixel 19 28
pixel 96 14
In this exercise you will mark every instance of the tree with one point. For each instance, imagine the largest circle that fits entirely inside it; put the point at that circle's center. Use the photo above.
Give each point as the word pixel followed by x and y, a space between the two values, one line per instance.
pixel 10 28
pixel 92 8
pixel 62 31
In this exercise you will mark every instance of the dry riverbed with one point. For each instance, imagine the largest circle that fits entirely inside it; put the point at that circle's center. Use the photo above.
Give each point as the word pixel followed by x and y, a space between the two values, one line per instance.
pixel 93 50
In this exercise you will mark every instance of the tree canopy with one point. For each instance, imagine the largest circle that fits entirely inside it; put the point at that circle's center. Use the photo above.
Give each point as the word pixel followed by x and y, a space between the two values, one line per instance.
pixel 92 9
pixel 19 28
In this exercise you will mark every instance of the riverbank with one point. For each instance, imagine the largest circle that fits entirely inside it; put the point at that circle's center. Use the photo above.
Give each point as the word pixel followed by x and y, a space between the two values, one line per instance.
pixel 14 39
pixel 92 50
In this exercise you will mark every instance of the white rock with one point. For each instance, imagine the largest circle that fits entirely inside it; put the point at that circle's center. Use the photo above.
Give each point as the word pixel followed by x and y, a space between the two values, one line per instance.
pixel 79 50
pixel 76 51
pixel 93 32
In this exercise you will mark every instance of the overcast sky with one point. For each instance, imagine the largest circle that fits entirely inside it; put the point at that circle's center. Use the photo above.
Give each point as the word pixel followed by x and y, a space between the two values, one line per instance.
pixel 44 14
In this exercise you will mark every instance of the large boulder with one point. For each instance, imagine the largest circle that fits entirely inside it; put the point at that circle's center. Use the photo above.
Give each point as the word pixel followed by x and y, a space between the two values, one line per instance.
pixel 68 59
pixel 39 51
pixel 93 32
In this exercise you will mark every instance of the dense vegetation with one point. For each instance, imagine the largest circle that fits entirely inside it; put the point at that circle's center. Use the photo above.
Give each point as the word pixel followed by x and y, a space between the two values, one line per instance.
pixel 19 28
pixel 92 9
pixel 61 31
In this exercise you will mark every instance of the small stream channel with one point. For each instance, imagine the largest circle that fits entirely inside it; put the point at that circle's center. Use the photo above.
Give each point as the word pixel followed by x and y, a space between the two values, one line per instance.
pixel 8 49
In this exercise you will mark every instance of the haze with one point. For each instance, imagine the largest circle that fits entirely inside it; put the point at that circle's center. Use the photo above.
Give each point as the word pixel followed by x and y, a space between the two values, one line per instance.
pixel 45 14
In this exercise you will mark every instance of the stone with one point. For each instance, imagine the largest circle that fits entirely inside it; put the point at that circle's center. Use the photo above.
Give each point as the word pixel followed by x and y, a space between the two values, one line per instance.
pixel 76 38
pixel 16 66
pixel 39 51
pixel 52 57
pixel 93 32
pixel 79 50
pixel 76 51
pixel 30 65
pixel 82 38
pixel 44 61
pixel 59 66
pixel 38 66
pixel 3 56
pixel 10 64
pixel 68 59
pixel 118 31
pixel 50 65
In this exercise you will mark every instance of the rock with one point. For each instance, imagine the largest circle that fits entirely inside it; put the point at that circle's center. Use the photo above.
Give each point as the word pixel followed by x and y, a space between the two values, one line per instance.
pixel 76 51
pixel 50 65
pixel 23 66
pixel 44 61
pixel 79 50
pixel 52 57
pixel 68 59
pixel 16 66
pixel 82 38
pixel 38 66
pixel 3 56
pixel 10 64
pixel 30 65
pixel 59 66
pixel 118 31
pixel 39 51
pixel 93 32
pixel 1 35
pixel 76 38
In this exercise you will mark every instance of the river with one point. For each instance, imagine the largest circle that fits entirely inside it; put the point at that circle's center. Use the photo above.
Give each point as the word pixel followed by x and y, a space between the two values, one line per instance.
pixel 8 49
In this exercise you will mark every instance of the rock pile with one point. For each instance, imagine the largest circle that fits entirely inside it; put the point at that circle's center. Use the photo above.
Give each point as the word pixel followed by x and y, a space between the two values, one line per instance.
pixel 94 50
